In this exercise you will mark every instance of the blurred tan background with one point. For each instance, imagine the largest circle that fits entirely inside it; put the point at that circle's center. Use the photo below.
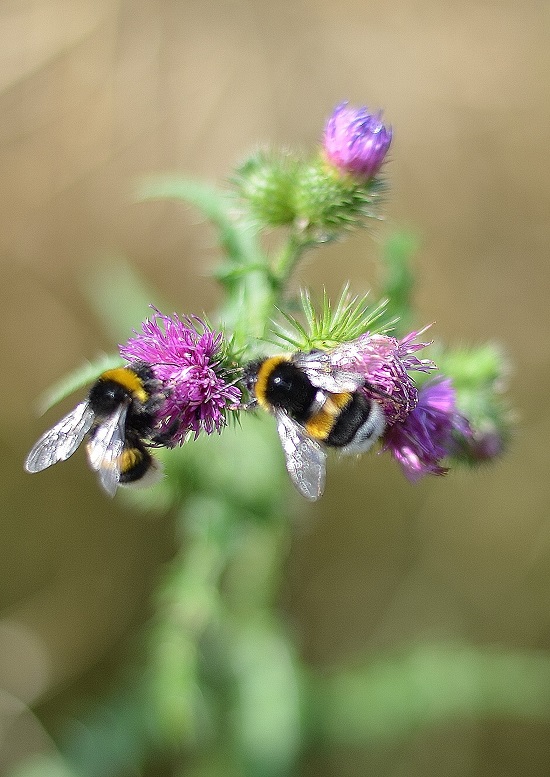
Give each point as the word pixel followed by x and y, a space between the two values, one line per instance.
pixel 94 93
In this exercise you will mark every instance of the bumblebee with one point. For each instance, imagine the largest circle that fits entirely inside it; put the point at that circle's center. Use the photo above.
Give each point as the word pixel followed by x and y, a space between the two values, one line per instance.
pixel 118 416
pixel 316 405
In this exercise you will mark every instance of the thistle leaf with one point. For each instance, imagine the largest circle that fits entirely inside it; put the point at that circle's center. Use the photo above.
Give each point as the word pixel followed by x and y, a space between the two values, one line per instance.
pixel 237 238
pixel 328 327
pixel 119 296
pixel 398 279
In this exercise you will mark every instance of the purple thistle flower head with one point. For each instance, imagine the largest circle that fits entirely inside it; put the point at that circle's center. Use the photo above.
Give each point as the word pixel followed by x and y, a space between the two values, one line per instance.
pixel 425 437
pixel 187 357
pixel 385 362
pixel 356 141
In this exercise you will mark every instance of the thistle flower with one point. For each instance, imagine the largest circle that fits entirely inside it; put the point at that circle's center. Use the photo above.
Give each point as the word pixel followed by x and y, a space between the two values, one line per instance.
pixel 385 362
pixel 356 141
pixel 191 361
pixel 421 426
pixel 426 436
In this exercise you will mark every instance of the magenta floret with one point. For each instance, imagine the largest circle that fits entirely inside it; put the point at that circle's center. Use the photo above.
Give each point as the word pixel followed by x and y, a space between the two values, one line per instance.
pixel 385 362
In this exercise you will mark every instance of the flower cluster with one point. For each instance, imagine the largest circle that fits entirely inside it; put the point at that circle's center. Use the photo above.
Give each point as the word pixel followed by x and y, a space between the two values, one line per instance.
pixel 192 364
pixel 314 199
pixel 201 387
pixel 334 189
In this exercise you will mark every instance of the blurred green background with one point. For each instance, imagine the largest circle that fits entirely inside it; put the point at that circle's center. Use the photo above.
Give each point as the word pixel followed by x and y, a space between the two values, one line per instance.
pixel 94 93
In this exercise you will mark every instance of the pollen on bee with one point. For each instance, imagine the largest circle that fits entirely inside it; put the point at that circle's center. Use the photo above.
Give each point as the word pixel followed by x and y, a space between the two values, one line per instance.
pixel 129 458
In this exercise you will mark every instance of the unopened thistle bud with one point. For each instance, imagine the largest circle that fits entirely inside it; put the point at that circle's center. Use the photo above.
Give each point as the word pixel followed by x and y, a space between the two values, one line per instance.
pixel 339 188
pixel 480 377
pixel 266 181
pixel 327 202
pixel 356 141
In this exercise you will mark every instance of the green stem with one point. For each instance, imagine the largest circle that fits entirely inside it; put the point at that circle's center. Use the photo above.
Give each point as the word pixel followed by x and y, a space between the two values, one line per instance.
pixel 257 291
pixel 244 548
pixel 288 257
pixel 187 603
pixel 248 310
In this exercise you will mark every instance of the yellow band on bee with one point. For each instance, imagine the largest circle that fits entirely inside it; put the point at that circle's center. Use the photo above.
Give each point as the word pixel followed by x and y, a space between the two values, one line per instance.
pixel 129 380
pixel 320 425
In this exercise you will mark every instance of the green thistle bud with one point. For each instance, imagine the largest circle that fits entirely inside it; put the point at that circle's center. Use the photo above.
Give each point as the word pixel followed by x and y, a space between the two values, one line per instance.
pixel 329 201
pixel 266 181
pixel 479 377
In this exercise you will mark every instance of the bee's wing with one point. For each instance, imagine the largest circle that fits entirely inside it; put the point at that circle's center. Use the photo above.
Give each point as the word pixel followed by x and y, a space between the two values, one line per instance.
pixel 105 447
pixel 62 440
pixel 325 374
pixel 305 459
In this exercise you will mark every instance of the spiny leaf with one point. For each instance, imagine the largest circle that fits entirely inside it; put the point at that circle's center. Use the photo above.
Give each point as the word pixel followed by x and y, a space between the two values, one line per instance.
pixel 329 327
pixel 372 704
pixel 119 296
pixel 309 311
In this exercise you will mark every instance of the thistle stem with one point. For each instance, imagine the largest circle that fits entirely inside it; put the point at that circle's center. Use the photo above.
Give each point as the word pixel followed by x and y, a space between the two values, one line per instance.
pixel 257 292
pixel 288 257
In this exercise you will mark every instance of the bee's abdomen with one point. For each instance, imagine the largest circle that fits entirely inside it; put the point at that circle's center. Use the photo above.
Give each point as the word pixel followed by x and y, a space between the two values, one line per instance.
pixel 321 424
pixel 355 413
pixel 134 463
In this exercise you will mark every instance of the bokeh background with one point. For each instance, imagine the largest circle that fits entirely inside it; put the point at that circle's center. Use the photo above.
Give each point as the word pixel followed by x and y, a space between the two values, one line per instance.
pixel 96 92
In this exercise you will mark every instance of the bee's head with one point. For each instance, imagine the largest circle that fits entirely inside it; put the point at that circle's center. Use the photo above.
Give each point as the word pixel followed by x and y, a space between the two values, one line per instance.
pixel 250 374
pixel 249 380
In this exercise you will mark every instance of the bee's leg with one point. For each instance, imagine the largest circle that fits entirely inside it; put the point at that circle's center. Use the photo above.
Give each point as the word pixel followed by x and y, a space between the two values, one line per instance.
pixel 164 440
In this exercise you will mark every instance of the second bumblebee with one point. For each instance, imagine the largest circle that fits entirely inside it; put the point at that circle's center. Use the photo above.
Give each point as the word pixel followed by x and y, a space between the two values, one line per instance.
pixel 316 404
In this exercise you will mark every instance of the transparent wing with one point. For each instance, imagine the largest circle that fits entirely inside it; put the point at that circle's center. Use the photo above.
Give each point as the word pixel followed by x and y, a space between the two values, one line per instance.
pixel 105 448
pixel 62 440
pixel 305 459
pixel 320 368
